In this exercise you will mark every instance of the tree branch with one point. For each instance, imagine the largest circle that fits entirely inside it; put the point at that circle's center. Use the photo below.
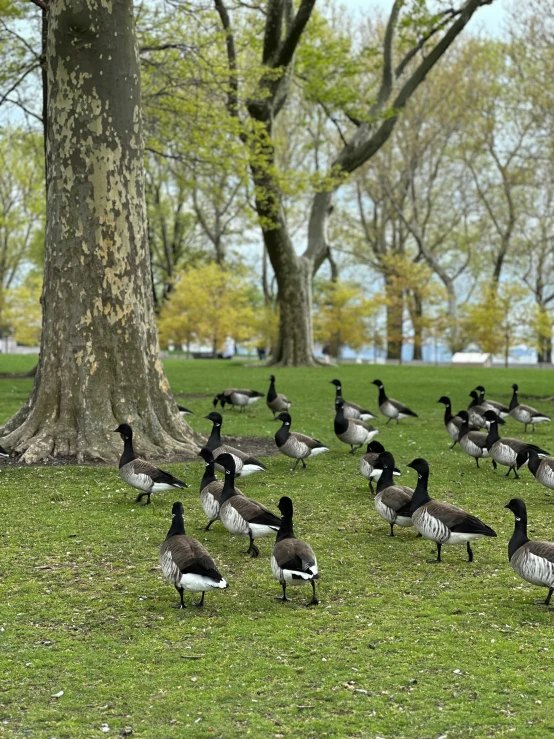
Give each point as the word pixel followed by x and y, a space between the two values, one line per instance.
pixel 233 93
pixel 41 4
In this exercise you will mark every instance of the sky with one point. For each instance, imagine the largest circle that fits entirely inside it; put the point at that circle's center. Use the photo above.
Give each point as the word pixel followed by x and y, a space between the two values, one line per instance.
pixel 491 18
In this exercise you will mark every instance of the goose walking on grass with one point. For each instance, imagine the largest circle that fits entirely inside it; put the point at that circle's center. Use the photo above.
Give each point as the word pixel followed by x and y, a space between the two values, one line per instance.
pixel 351 430
pixel 542 468
pixel 245 463
pixel 476 412
pixel 237 397
pixel 241 515
pixel 352 410
pixel 504 451
pixel 295 445
pixel 139 473
pixel 186 563
pixel 276 402
pixel 211 489
pixel 532 560
pixel 392 502
pixel 492 405
pixel 525 413
pixel 441 522
pixel 392 409
pixel 293 561
pixel 184 411
pixel 367 463
pixel 473 443
pixel 452 423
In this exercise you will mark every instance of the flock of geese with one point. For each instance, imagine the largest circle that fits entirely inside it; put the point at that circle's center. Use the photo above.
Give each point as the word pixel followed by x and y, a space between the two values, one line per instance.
pixel 188 565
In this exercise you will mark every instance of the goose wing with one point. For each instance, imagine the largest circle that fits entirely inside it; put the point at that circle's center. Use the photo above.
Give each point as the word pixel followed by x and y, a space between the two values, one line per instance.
pixel 543 549
pixel 295 555
pixel 398 497
pixel 310 443
pixel 363 424
pixel 479 438
pixel 255 512
pixel 401 408
pixel 142 467
pixel 243 456
pixel 457 520
pixel 191 557
pixel 518 445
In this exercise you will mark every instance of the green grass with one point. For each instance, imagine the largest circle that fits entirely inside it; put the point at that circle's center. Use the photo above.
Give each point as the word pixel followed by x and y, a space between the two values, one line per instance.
pixel 397 647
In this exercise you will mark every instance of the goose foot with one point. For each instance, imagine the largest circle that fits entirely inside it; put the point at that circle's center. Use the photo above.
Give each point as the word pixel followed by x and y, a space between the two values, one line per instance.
pixel 207 528
pixel 283 597
pixel 178 606
pixel 200 602
pixel 182 603
pixel 313 602
pixel 419 536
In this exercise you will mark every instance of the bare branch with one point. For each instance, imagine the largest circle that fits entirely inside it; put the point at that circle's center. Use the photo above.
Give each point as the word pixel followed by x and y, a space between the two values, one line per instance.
pixel 233 93
pixel 41 4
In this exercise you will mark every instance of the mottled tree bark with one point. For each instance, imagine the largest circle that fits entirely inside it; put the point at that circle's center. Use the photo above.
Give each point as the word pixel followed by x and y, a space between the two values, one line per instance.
pixel 99 363
pixel 395 319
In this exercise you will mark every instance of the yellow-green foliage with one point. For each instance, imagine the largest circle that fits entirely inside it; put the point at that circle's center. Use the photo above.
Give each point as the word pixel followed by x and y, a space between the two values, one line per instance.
pixel 341 315
pixel 208 304
pixel 23 313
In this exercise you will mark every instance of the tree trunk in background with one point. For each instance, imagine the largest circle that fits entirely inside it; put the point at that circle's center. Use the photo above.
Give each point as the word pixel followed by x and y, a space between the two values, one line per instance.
pixel 395 311
pixel 544 354
pixel 417 322
pixel 99 363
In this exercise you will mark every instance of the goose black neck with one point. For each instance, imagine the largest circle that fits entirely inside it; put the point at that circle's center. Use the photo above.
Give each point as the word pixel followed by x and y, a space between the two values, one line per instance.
pixel 177 526
pixel 209 475
pixel 128 452
pixel 514 401
pixel 447 413
pixel 338 394
pixel 493 434
pixel 519 537
pixel 474 401
pixel 215 437
pixel 285 529
pixel 464 428
pixel 272 393
pixel 228 487
pixel 534 461
pixel 341 423
pixel 420 496
pixel 386 479
pixel 282 434
pixel 382 395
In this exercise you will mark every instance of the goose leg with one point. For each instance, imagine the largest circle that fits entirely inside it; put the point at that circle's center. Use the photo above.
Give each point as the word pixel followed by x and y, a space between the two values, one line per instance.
pixel 525 429
pixel 314 601
pixel 139 497
pixel 148 501
pixel 494 465
pixel 387 423
pixel 391 529
pixel 284 598
pixel 295 466
pixel 181 593
pixel 517 477
pixel 200 603
pixel 352 449
pixel 304 465
pixel 453 445
pixel 252 550
pixel 508 473
pixel 207 528
pixel 477 461
pixel 438 559
pixel 469 553
pixel 533 428
pixel 548 597
pixel 371 490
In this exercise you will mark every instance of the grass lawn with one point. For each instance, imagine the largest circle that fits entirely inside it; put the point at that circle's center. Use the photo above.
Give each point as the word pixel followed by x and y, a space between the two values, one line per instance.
pixel 396 648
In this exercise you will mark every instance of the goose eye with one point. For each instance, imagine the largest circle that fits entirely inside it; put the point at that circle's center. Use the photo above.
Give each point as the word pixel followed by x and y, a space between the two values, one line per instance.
pixel 518 519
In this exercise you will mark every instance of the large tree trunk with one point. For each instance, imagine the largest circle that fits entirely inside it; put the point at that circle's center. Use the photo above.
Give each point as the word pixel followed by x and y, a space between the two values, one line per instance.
pixel 395 311
pixel 99 363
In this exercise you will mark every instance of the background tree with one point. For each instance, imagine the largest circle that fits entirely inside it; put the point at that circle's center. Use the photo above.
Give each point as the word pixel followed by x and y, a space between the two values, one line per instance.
pixel 207 305
pixel 97 294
